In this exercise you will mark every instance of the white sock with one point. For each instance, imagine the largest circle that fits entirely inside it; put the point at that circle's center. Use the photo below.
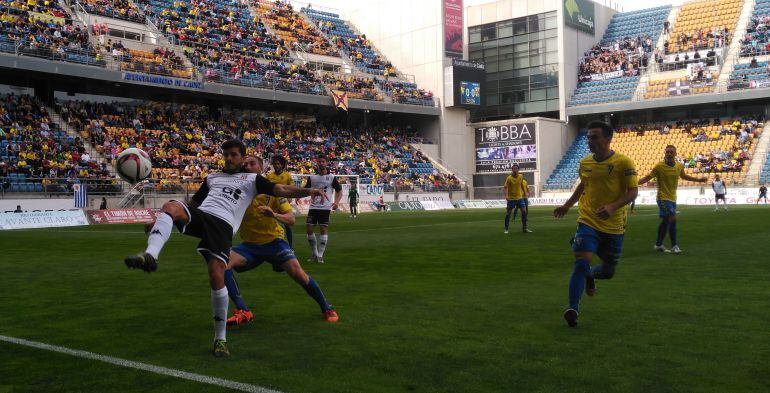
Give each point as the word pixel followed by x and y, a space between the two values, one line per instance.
pixel 312 241
pixel 219 302
pixel 159 234
pixel 322 245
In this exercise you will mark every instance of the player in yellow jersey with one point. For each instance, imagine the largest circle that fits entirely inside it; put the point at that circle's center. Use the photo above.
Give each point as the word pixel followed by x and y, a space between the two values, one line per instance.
pixel 279 175
pixel 668 172
pixel 515 190
pixel 263 241
pixel 607 184
pixel 526 202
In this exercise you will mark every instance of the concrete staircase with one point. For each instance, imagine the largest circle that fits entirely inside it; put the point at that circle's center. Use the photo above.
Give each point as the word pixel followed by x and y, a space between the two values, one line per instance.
pixel 734 50
pixel 760 153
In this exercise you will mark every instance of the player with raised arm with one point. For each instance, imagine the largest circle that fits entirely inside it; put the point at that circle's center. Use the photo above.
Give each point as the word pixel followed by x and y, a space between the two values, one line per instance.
pixel 668 172
pixel 762 194
pixel 515 191
pixel 607 185
pixel 279 175
pixel 263 241
pixel 353 200
pixel 321 207
pixel 213 215
pixel 720 190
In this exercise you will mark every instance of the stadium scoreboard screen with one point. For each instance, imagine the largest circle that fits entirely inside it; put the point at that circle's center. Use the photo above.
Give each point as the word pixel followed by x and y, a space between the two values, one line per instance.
pixel 500 146
pixel 464 83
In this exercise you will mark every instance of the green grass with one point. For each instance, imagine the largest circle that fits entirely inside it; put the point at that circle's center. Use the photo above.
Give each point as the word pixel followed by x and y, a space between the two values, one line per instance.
pixel 429 302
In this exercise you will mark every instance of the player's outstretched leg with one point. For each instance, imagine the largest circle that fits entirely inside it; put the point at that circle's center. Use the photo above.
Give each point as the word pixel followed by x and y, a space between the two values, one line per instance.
pixel 662 229
pixel 515 212
pixel 171 212
pixel 507 219
pixel 219 303
pixel 313 243
pixel 242 313
pixel 295 271
pixel 577 284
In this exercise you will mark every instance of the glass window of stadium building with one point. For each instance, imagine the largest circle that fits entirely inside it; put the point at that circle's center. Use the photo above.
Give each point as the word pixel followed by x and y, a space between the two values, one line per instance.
pixel 521 57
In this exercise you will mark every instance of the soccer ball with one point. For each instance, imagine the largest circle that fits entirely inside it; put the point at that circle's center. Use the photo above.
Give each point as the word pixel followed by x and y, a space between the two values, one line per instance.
pixel 133 165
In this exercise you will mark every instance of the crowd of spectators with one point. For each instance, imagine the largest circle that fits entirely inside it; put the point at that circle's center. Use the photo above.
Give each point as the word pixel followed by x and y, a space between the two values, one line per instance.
pixel 183 141
pixel 160 61
pixel 119 9
pixel 360 52
pixel 705 38
pixel 756 42
pixel 360 88
pixel 43 29
pixel 627 55
pixel 405 92
pixel 34 147
pixel 299 34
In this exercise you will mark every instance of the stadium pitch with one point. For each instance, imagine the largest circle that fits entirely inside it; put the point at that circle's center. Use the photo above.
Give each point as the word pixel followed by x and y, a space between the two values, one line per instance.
pixel 428 302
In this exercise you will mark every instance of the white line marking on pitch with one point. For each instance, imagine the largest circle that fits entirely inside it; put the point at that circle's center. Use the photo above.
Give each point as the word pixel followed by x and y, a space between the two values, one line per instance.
pixel 244 387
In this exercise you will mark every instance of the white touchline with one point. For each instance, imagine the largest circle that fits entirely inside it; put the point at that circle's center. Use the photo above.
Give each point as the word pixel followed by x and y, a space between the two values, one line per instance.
pixel 244 387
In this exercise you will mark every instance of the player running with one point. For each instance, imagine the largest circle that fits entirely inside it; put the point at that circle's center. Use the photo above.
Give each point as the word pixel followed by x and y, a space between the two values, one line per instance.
pixel 762 194
pixel 607 184
pixel 353 200
pixel 213 215
pixel 516 197
pixel 279 175
pixel 720 189
pixel 263 241
pixel 321 207
pixel 668 172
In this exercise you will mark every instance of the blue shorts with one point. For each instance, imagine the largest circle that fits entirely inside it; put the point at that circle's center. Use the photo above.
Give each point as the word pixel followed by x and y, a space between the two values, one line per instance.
pixel 666 209
pixel 275 253
pixel 606 246
pixel 517 203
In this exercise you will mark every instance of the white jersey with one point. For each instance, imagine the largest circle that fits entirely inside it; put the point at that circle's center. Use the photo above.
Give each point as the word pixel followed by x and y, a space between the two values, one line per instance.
pixel 227 196
pixel 328 183
pixel 719 187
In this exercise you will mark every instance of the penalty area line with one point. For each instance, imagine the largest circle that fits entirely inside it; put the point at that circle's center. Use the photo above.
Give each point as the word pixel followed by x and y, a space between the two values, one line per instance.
pixel 225 383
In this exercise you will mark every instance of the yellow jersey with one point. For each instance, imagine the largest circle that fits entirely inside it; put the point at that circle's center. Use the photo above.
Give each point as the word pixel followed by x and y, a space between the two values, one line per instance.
pixel 668 179
pixel 605 182
pixel 258 228
pixel 283 178
pixel 515 186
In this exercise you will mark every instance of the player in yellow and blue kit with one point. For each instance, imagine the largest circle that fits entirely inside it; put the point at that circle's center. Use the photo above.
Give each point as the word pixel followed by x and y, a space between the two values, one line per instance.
pixel 263 241
pixel 279 175
pixel 607 184
pixel 515 190
pixel 668 172
pixel 526 202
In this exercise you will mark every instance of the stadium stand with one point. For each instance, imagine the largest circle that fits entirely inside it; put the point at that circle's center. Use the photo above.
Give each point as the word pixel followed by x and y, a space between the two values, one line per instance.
pixel 36 155
pixel 747 75
pixel 42 28
pixel 702 81
pixel 118 9
pixel 357 47
pixel 566 172
pixel 704 147
pixel 356 87
pixel 298 33
pixel 610 70
pixel 405 92
pixel 160 61
pixel 703 24
pixel 183 141
pixel 756 42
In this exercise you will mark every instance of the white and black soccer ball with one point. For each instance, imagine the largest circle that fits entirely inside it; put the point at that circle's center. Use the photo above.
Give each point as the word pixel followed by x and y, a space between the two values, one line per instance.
pixel 133 165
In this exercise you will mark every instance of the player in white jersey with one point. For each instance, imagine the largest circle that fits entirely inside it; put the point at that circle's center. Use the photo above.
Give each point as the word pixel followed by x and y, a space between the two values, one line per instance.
pixel 720 189
pixel 214 215
pixel 321 207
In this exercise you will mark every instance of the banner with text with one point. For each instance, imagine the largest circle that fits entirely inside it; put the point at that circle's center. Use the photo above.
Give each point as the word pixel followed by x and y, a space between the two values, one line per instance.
pixel 46 219
pixel 579 14
pixel 499 147
pixel 453 28
pixel 607 75
pixel 162 80
pixel 122 216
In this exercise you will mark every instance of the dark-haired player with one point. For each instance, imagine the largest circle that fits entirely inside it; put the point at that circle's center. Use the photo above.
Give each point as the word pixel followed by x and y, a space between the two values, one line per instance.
pixel 607 184
pixel 213 215
pixel 280 175
pixel 668 172
pixel 762 194
pixel 321 207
